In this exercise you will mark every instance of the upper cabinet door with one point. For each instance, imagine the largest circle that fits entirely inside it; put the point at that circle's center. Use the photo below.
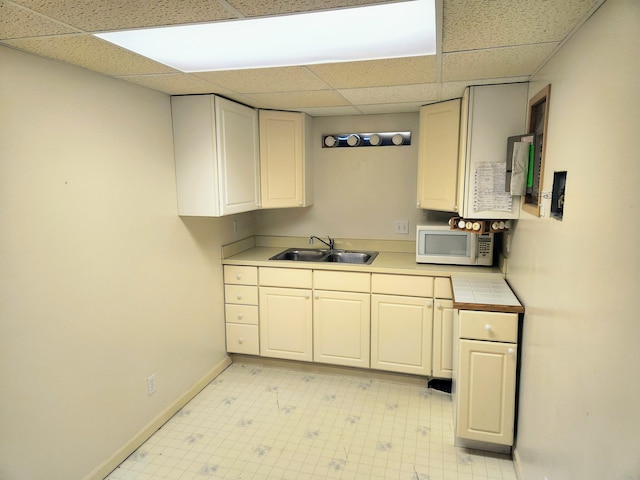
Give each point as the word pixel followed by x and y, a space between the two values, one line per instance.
pixel 285 159
pixel 438 156
pixel 216 156
pixel 239 157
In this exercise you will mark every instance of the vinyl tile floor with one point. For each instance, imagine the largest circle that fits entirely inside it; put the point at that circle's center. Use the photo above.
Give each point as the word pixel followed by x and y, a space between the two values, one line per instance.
pixel 256 422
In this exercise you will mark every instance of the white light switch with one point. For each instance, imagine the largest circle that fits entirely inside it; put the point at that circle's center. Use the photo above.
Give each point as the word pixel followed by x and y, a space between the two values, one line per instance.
pixel 401 226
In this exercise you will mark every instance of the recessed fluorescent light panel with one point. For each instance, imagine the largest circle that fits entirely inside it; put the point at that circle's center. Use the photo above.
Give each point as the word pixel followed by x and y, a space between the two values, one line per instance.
pixel 401 29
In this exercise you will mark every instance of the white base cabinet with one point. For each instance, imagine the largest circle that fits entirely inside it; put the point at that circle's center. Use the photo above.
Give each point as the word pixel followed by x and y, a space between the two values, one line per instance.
pixel 401 333
pixel 241 309
pixel 286 322
pixel 485 377
pixel 443 318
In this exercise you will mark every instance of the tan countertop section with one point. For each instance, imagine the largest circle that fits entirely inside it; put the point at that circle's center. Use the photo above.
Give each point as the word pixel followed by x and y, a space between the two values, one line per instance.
pixel 386 262
pixel 484 292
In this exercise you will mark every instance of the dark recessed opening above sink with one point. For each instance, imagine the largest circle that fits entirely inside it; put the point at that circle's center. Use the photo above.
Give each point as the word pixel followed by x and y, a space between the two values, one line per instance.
pixel 325 255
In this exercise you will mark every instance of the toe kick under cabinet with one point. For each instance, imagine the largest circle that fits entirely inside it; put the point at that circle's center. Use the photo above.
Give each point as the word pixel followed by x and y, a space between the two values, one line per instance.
pixel 485 379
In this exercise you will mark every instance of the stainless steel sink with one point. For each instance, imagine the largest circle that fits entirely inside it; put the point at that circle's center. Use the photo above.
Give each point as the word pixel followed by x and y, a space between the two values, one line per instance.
pixel 324 255
pixel 301 255
pixel 351 257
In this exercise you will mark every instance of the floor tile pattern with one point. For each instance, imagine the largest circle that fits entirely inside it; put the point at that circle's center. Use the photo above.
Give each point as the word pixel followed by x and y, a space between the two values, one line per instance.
pixel 260 423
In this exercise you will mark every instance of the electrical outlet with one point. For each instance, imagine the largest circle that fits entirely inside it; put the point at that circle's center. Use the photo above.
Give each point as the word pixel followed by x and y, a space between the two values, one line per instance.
pixel 402 227
pixel 151 384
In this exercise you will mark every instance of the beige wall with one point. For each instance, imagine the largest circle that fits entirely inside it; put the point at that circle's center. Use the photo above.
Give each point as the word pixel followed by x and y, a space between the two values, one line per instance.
pixel 101 283
pixel 358 192
pixel 579 278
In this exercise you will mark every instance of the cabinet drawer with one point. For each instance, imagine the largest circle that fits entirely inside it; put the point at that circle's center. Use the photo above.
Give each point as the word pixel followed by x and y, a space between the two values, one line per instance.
pixel 247 314
pixel 413 286
pixel 491 326
pixel 242 294
pixel 285 277
pixel 442 288
pixel 342 281
pixel 242 339
pixel 240 275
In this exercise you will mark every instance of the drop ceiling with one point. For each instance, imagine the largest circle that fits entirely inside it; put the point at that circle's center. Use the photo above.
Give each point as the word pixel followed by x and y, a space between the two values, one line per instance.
pixel 480 42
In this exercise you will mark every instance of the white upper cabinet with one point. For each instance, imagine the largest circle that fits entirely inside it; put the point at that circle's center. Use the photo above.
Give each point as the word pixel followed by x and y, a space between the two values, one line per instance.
pixel 490 114
pixel 285 159
pixel 438 156
pixel 217 156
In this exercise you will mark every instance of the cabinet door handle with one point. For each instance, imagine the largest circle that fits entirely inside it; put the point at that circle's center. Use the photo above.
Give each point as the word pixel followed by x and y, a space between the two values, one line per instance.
pixel 439 306
pixel 429 305
pixel 487 327
pixel 316 296
pixel 511 351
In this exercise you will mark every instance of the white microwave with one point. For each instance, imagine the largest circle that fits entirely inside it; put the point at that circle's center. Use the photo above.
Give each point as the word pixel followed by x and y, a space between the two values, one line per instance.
pixel 442 245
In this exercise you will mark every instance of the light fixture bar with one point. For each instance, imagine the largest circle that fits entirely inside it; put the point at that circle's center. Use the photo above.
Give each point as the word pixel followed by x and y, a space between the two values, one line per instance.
pixel 401 29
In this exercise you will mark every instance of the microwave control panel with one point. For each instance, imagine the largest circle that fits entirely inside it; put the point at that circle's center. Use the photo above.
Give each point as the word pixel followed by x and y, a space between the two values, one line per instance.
pixel 484 245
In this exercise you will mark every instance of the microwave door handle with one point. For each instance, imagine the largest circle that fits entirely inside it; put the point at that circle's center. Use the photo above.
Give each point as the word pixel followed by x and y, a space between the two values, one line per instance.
pixel 474 248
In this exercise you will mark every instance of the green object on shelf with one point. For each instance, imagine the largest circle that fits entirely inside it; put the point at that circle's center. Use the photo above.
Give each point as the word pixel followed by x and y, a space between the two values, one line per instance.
pixel 531 162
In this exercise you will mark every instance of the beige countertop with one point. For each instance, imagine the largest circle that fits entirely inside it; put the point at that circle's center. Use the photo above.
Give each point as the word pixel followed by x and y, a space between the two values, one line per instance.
pixel 474 288
pixel 386 262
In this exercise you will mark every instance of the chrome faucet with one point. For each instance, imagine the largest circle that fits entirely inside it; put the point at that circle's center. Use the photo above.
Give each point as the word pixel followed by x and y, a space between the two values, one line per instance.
pixel 330 244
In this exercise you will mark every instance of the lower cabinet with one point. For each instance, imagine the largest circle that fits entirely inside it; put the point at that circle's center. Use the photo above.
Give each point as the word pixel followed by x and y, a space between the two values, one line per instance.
pixel 485 382
pixel 443 315
pixel 286 323
pixel 341 317
pixel 401 333
pixel 341 328
pixel 241 309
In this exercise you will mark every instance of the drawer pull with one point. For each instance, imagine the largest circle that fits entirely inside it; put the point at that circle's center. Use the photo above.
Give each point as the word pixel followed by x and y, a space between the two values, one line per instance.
pixel 239 296
pixel 487 327
pixel 241 340
pixel 239 276
pixel 240 315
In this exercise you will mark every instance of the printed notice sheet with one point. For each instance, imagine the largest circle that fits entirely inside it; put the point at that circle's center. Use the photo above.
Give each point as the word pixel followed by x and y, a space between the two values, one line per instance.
pixel 488 188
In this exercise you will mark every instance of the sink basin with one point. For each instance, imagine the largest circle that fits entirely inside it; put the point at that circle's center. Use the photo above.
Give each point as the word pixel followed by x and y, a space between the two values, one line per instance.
pixel 324 255
pixel 301 255
pixel 351 257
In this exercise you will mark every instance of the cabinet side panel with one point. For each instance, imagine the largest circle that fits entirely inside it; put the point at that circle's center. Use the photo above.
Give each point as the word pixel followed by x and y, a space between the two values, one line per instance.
pixel 195 155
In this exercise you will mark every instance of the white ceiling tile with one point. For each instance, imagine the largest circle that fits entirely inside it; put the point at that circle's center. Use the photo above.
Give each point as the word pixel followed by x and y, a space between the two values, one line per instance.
pixel 330 111
pixel 396 94
pixel 390 108
pixel 497 62
pixel 263 80
pixel 377 73
pixel 96 15
pixel 472 25
pixel 17 22
pixel 254 8
pixel 90 52
pixel 295 100
pixel 176 84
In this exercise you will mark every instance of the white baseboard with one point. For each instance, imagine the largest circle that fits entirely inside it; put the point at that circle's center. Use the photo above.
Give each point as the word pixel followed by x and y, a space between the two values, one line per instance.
pixel 105 468
pixel 517 465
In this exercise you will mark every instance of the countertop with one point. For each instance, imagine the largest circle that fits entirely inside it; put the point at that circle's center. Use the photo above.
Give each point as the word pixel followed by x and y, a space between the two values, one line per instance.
pixel 474 288
pixel 484 292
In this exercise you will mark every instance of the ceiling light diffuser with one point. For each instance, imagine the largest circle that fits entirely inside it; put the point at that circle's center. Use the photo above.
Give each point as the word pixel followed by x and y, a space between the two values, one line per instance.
pixel 401 29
